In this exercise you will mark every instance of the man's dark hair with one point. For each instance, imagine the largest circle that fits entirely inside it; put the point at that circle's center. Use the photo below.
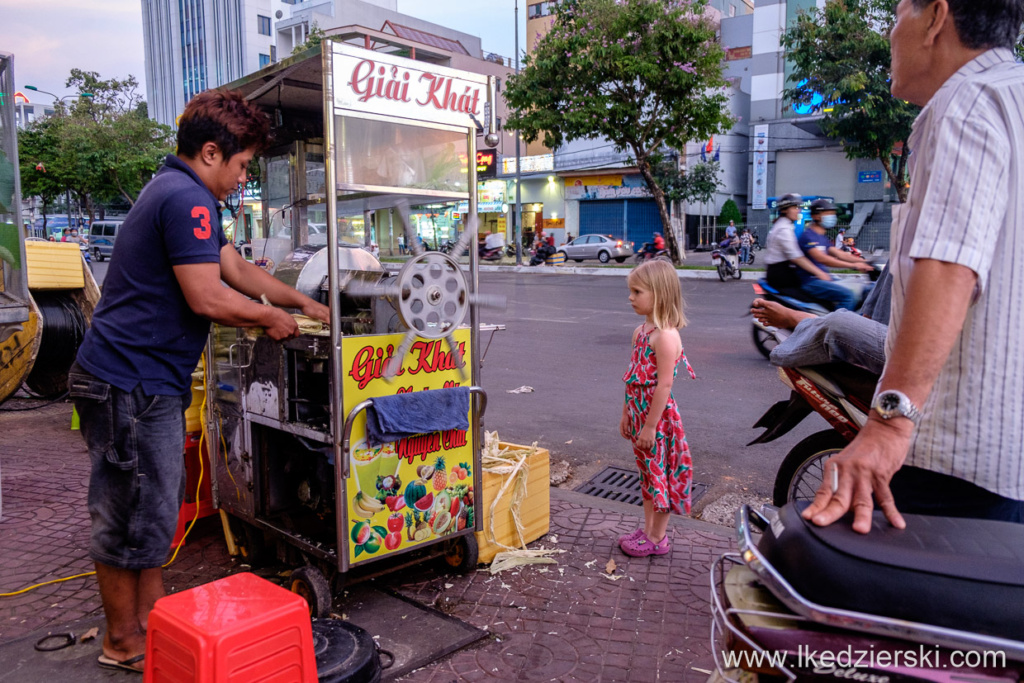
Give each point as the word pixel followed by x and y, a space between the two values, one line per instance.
pixel 223 118
pixel 982 24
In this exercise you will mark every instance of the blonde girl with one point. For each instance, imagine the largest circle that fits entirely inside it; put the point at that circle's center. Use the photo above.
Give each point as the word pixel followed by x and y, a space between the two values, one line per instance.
pixel 650 417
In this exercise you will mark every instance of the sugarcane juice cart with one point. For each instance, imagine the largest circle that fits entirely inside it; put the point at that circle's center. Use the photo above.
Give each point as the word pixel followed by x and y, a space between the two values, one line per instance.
pixel 362 137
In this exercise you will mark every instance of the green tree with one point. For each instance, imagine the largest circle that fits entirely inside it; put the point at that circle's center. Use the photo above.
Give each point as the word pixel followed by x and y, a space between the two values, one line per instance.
pixel 645 74
pixel 841 52
pixel 315 36
pixel 730 212
pixel 98 148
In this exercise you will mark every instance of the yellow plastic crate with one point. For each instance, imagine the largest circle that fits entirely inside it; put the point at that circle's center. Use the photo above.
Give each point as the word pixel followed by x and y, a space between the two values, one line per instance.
pixel 54 265
pixel 535 512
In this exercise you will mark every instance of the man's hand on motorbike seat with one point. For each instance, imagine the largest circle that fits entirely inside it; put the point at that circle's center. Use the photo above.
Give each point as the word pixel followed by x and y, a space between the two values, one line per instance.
pixel 865 467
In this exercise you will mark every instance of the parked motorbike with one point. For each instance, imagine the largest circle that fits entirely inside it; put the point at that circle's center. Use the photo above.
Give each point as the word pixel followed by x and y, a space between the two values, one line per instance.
pixel 839 392
pixel 941 601
pixel 725 264
pixel 645 253
pixel 446 246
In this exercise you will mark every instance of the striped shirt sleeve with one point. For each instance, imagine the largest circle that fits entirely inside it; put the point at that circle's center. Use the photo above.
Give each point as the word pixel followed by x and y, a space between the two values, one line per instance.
pixel 964 203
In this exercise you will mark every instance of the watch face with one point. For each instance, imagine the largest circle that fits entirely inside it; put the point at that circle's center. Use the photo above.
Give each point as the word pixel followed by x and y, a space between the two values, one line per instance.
pixel 889 402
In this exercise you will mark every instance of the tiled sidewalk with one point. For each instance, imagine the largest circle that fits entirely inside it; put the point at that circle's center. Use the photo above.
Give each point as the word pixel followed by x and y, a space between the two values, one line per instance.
pixel 564 622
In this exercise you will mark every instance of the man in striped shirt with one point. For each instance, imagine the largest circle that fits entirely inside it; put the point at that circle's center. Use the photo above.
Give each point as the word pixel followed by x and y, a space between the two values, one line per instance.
pixel 947 433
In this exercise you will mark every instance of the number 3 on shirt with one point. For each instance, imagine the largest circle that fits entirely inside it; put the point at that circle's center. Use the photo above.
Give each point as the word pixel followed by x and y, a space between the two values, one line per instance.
pixel 203 214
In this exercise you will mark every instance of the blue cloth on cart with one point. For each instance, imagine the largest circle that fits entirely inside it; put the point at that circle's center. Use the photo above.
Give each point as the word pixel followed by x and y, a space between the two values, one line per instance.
pixel 391 418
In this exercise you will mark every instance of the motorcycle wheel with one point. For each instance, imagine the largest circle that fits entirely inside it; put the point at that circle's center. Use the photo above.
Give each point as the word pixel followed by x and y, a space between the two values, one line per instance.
pixel 764 341
pixel 751 258
pixel 737 273
pixel 803 470
pixel 721 270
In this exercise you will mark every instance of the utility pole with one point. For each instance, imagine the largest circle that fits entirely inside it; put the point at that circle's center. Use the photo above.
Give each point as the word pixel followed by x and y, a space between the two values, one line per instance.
pixel 519 197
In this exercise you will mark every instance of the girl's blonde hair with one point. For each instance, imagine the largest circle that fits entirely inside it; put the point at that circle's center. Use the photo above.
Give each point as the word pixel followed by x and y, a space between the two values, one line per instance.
pixel 660 278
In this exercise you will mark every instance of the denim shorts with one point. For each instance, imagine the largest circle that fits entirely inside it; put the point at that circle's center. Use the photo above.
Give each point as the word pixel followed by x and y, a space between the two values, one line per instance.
pixel 136 444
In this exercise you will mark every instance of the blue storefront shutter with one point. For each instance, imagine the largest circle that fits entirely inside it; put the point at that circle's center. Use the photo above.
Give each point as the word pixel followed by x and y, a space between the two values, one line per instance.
pixel 643 220
pixel 603 217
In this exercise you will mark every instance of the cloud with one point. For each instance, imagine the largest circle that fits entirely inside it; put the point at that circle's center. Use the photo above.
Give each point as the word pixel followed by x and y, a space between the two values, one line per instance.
pixel 50 37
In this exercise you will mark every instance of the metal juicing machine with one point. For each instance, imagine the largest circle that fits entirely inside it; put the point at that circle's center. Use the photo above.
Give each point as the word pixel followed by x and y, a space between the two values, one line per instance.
pixel 360 136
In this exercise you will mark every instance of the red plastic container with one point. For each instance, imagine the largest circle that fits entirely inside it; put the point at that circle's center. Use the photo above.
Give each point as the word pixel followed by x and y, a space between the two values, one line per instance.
pixel 240 629
pixel 204 503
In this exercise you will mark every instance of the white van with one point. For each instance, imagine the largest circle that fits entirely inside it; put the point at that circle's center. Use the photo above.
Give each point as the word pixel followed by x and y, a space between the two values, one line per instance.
pixel 102 235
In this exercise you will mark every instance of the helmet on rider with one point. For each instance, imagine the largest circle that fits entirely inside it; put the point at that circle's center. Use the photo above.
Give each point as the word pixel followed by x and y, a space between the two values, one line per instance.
pixel 821 206
pixel 788 200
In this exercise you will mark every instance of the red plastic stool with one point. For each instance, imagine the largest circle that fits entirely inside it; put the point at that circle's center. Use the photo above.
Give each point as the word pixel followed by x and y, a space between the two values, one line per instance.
pixel 240 629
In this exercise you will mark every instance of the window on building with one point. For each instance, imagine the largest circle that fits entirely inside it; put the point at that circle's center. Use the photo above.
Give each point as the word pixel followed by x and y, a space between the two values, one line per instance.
pixel 264 24
pixel 273 54
pixel 264 60
pixel 732 10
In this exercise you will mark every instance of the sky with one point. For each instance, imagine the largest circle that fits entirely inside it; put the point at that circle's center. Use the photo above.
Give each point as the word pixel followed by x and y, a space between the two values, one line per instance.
pixel 50 37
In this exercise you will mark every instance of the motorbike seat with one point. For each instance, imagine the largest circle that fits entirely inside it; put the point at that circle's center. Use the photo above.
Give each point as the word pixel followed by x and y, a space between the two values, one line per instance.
pixel 964 574
pixel 852 382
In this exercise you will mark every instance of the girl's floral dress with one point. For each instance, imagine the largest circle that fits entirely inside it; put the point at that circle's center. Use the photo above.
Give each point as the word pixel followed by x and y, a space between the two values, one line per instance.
pixel 666 473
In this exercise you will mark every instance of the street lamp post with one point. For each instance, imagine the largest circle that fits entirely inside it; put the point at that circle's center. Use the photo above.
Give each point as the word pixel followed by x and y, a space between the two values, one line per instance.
pixel 519 201
pixel 60 108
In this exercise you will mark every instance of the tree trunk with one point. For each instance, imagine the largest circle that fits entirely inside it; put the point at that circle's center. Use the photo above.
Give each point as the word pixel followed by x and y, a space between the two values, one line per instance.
pixel 674 249
pixel 897 176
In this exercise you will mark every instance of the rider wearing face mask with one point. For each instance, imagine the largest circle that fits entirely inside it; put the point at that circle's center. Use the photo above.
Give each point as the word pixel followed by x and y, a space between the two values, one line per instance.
pixel 818 247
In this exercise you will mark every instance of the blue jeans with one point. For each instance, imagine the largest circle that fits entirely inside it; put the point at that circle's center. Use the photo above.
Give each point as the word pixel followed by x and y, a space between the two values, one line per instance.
pixel 840 336
pixel 833 292
pixel 744 254
pixel 136 445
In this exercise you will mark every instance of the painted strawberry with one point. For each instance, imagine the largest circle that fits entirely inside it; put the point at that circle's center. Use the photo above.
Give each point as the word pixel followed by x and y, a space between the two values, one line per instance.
pixel 440 474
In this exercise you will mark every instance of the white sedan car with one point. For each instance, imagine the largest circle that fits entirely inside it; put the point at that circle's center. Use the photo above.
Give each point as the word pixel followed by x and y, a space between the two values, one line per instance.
pixel 601 247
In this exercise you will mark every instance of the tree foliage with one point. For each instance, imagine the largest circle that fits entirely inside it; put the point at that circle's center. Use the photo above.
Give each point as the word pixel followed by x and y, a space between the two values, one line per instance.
pixel 697 185
pixel 730 212
pixel 100 148
pixel 841 53
pixel 645 74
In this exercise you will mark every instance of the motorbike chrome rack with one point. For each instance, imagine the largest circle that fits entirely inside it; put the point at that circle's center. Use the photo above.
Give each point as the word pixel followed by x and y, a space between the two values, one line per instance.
pixel 846 619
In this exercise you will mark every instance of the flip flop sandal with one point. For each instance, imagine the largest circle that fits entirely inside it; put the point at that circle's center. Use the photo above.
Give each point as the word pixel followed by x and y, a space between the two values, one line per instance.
pixel 123 665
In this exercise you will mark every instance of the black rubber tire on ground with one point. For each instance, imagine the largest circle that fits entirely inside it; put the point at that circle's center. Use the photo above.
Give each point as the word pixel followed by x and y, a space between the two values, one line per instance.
pixel 462 554
pixel 801 472
pixel 578 260
pixel 737 273
pixel 312 585
pixel 97 254
pixel 751 258
pixel 721 270
pixel 764 341
pixel 604 257
pixel 620 259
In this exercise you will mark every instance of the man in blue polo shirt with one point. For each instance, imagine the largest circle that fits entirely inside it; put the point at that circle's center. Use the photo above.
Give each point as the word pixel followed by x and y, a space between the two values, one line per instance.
pixel 131 380
pixel 817 246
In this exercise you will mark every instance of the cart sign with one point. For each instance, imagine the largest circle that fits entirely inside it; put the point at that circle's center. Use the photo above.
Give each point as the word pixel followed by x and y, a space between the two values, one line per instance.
pixel 372 82
pixel 417 490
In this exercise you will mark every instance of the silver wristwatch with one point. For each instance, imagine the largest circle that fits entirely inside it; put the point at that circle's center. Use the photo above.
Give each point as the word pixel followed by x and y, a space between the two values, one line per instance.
pixel 892 403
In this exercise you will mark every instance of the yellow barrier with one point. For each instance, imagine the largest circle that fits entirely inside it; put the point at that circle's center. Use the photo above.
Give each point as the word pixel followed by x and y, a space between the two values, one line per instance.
pixel 54 265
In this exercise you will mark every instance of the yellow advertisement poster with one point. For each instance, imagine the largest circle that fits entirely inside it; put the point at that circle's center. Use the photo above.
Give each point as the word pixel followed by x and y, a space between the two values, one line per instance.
pixel 416 490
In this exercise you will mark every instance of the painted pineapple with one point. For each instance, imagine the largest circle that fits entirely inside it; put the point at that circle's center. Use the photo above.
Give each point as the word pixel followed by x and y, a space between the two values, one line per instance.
pixel 410 525
pixel 440 474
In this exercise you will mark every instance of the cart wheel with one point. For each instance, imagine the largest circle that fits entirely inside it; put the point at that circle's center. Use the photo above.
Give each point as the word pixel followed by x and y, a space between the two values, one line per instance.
pixel 462 554
pixel 309 582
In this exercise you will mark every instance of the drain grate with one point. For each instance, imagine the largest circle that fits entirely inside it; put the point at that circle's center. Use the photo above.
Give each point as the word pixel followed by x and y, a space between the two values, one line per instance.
pixel 623 486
